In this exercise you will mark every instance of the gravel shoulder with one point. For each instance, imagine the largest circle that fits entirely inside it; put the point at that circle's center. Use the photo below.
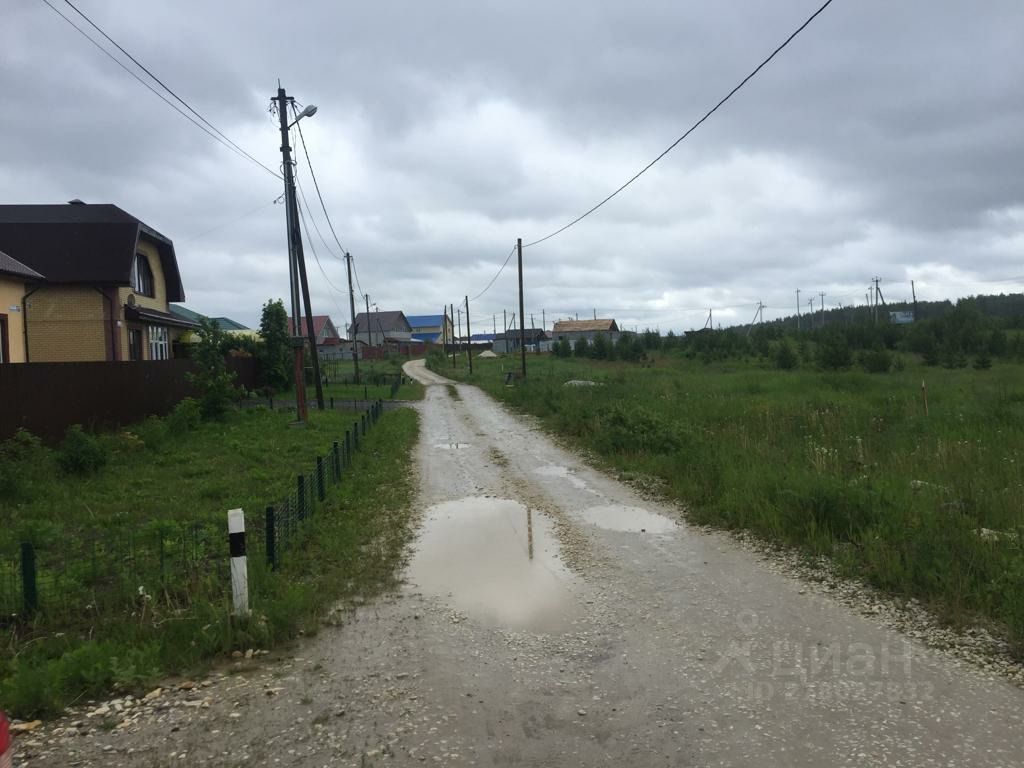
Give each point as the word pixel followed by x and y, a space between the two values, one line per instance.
pixel 552 615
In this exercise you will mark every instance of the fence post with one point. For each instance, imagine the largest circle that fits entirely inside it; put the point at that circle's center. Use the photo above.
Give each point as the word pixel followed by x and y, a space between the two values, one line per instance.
pixel 332 403
pixel 336 456
pixel 270 402
pixel 271 538
pixel 355 436
pixel 300 489
pixel 28 577
pixel 321 493
pixel 239 563
pixel 348 448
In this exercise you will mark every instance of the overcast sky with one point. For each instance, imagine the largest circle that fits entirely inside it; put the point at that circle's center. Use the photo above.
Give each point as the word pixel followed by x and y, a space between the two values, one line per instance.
pixel 887 140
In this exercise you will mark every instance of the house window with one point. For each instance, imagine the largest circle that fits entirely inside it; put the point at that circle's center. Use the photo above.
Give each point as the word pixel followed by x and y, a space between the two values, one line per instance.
pixel 142 276
pixel 134 343
pixel 159 343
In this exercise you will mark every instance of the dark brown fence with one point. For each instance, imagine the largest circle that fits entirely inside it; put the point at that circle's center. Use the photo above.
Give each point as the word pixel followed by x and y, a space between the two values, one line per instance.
pixel 47 398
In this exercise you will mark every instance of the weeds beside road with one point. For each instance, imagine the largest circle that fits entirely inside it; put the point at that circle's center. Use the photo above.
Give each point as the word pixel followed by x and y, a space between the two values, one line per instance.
pixel 163 481
pixel 842 464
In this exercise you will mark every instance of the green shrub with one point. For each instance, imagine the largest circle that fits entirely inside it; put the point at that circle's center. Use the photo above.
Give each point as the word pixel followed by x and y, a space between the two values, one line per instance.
pixel 24 447
pixel 982 362
pixel 629 428
pixel 878 360
pixel 187 415
pixel 81 453
pixel 785 356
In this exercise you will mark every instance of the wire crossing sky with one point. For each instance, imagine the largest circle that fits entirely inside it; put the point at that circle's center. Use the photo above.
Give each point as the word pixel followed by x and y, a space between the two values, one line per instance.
pixel 884 142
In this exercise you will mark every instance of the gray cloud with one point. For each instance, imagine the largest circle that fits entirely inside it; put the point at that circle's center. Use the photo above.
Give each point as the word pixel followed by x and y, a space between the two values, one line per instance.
pixel 885 140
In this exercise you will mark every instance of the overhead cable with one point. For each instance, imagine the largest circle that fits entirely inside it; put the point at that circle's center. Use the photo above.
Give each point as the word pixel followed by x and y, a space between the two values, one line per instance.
pixel 690 130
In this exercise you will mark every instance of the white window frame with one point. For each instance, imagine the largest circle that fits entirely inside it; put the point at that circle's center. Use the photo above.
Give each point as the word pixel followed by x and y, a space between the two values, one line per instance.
pixel 159 343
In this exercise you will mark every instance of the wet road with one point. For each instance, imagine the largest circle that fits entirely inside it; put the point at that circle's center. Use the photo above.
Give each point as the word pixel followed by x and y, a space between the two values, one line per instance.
pixel 553 617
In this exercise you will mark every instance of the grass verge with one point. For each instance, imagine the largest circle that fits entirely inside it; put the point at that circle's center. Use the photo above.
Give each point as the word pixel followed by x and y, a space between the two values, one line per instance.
pixel 167 621
pixel 842 464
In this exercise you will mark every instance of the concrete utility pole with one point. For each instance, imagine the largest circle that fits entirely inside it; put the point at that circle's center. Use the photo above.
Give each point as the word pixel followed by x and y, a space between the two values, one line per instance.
pixel 543 321
pixel 798 310
pixel 452 307
pixel 469 337
pixel 297 264
pixel 822 309
pixel 352 309
pixel 522 312
pixel 494 324
pixel 913 293
pixel 369 337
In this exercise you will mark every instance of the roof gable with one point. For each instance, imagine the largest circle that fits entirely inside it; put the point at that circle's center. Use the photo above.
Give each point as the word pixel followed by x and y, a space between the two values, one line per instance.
pixel 83 244
pixel 9 266
pixel 319 321
pixel 383 322
pixel 568 326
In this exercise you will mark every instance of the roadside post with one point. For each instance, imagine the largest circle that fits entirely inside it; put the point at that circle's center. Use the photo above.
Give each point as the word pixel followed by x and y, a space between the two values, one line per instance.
pixel 239 564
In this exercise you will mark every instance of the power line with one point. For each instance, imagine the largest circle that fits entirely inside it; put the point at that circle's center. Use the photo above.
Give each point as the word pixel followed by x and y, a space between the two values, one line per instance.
pixel 245 215
pixel 312 173
pixel 211 131
pixel 496 276
pixel 692 128
pixel 316 257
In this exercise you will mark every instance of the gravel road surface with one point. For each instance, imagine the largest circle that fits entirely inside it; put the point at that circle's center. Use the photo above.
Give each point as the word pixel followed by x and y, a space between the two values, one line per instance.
pixel 552 616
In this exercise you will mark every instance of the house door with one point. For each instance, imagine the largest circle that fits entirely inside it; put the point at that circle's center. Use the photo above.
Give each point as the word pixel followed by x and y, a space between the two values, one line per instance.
pixel 5 346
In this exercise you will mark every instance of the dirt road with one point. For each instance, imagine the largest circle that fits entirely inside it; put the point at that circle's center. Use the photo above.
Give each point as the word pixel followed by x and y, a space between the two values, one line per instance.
pixel 553 617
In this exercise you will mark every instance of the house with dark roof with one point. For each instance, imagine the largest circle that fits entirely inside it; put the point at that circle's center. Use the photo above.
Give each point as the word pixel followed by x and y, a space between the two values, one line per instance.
pixel 328 341
pixel 380 328
pixel 430 328
pixel 537 340
pixel 225 324
pixel 16 280
pixel 105 280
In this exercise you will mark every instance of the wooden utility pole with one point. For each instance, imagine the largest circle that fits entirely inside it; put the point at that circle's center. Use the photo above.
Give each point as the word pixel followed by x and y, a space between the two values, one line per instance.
pixel 469 338
pixel 352 309
pixel 822 294
pixel 798 310
pixel 369 338
pixel 522 311
pixel 913 293
pixel 444 331
pixel 452 307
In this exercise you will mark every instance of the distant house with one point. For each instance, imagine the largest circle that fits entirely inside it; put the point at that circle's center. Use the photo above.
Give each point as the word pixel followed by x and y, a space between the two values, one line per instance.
pixel 225 324
pixel 430 328
pixel 103 283
pixel 328 341
pixel 537 340
pixel 15 282
pixel 379 328
pixel 573 330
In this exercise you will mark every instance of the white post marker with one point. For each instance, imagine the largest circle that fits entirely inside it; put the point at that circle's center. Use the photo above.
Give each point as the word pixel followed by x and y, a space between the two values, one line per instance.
pixel 239 566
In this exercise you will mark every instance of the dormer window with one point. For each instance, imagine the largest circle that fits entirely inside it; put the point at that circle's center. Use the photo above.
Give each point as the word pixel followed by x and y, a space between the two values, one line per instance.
pixel 142 276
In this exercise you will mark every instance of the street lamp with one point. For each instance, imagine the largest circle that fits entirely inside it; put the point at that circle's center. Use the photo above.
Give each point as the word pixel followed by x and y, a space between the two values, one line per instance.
pixel 297 265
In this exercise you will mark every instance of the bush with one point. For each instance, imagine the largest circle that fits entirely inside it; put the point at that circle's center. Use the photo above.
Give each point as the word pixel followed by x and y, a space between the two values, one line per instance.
pixel 785 356
pixel 213 380
pixel 186 416
pixel 878 360
pixel 581 349
pixel 14 453
pixel 982 362
pixel 834 352
pixel 81 453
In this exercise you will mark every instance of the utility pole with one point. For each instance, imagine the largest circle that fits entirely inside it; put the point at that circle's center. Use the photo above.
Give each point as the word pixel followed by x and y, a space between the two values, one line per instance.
pixel 352 309
pixel 504 326
pixel 452 307
pixel 369 337
pixel 798 310
pixel 822 294
pixel 913 293
pixel 459 310
pixel 532 323
pixel 297 267
pixel 444 331
pixel 494 324
pixel 522 312
pixel 469 338
pixel 543 321
pixel 595 314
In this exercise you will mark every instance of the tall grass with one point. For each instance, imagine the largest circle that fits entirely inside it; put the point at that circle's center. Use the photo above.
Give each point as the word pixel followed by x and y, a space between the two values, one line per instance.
pixel 842 464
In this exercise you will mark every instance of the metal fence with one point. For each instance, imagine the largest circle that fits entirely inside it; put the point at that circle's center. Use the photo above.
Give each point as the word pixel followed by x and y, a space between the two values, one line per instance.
pixel 58 585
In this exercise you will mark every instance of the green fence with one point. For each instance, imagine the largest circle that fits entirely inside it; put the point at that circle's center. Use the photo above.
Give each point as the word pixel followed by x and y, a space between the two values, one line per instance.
pixel 50 585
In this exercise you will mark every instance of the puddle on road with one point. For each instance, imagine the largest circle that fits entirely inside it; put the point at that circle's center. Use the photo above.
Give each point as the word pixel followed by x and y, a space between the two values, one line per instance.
pixel 452 446
pixel 630 519
pixel 553 470
pixel 497 561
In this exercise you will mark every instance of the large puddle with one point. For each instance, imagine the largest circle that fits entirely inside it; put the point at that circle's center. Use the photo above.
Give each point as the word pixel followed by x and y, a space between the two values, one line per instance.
pixel 614 517
pixel 497 561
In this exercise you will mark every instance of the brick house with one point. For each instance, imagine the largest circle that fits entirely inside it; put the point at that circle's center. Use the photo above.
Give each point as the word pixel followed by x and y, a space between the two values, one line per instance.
pixel 105 280
pixel 15 282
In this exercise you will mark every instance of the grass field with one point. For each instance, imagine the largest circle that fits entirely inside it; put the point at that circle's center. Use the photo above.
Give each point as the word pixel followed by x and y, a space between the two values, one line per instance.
pixel 87 638
pixel 843 464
